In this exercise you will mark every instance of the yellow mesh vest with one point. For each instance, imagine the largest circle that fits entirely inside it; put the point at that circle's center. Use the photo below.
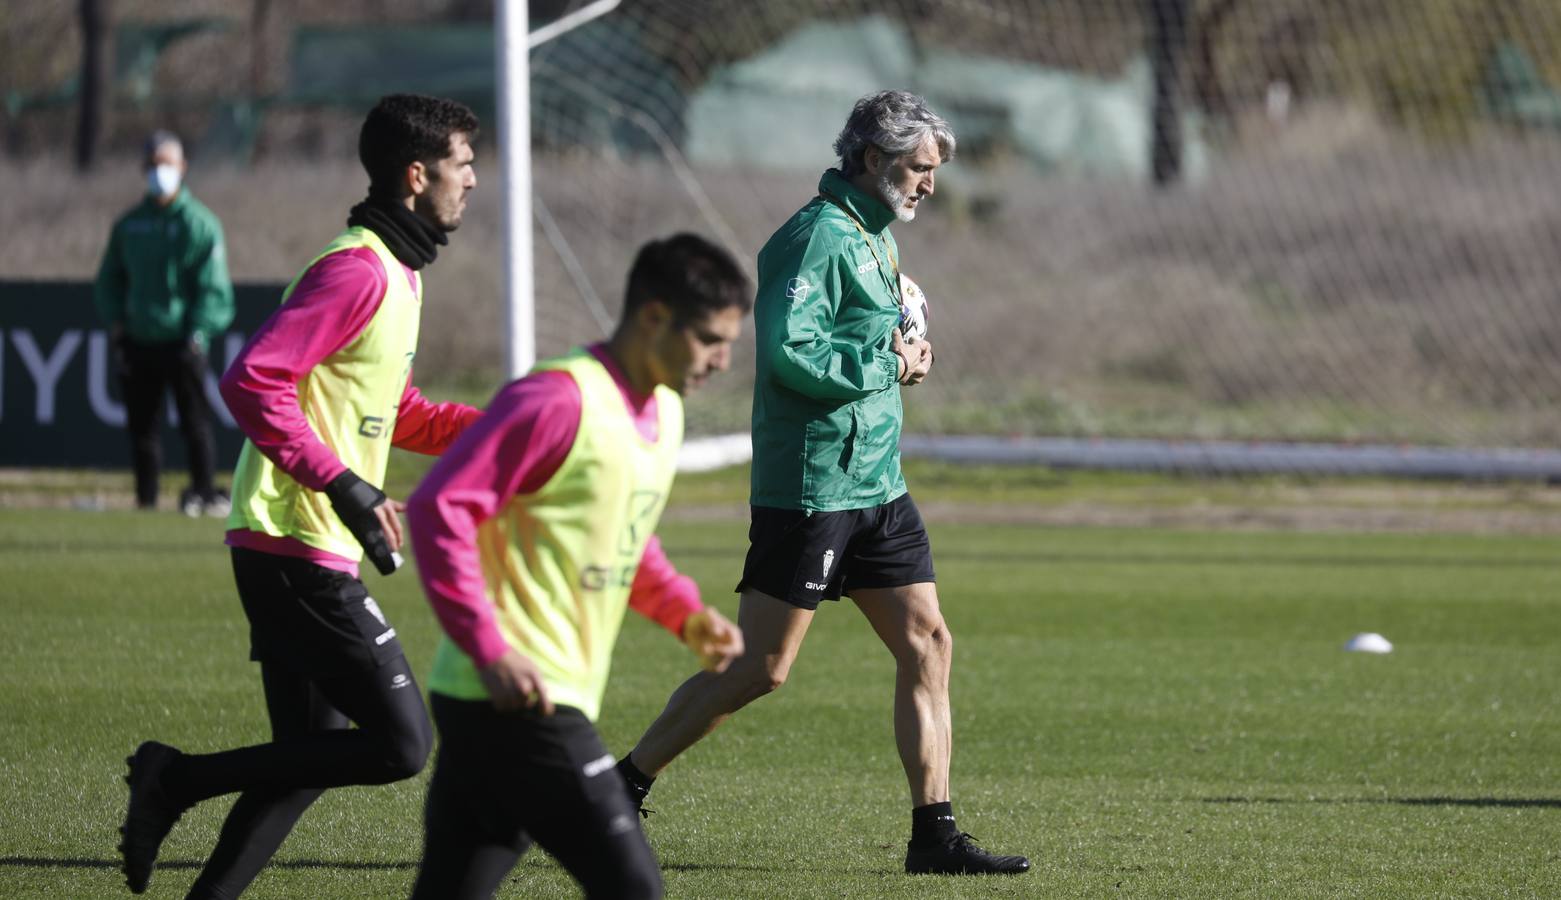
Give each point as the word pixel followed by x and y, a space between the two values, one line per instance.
pixel 350 400
pixel 559 563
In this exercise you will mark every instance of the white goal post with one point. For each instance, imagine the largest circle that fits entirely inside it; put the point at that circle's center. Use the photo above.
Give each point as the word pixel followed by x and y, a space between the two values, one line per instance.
pixel 512 54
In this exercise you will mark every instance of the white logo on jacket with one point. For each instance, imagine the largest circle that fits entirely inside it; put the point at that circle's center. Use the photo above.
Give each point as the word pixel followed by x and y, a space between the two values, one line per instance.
pixel 798 288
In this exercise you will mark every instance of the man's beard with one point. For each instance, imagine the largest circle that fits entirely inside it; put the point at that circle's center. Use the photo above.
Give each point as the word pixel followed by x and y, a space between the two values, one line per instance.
pixel 894 198
pixel 424 206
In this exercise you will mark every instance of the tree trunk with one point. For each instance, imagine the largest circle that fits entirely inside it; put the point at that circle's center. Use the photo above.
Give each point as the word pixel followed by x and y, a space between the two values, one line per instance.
pixel 259 48
pixel 1167 47
pixel 1208 87
pixel 93 97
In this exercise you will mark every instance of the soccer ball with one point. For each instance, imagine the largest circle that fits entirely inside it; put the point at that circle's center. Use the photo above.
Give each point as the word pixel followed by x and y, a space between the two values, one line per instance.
pixel 914 310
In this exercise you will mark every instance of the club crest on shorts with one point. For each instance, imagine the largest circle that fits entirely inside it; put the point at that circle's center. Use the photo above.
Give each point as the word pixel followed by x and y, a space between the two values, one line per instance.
pixel 829 560
pixel 373 608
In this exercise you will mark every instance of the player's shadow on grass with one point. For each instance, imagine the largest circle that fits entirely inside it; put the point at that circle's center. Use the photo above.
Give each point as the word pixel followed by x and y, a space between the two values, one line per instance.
pixel 734 867
pixel 79 862
pixel 1492 802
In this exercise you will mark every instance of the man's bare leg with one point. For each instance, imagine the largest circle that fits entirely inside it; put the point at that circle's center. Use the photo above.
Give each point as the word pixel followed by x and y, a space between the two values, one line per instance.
pixel 909 622
pixel 772 632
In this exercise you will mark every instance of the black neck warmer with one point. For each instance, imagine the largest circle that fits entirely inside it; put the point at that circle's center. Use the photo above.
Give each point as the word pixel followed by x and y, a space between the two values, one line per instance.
pixel 413 241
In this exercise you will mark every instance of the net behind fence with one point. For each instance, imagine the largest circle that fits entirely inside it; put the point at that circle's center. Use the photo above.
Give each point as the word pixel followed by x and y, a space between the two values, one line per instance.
pixel 1360 244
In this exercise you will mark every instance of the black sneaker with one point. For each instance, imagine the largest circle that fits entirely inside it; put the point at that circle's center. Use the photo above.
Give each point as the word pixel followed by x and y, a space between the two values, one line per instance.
pixel 958 856
pixel 151 814
pixel 637 797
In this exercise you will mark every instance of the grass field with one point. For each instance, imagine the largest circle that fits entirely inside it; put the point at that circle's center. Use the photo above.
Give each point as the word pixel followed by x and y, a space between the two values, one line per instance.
pixel 1144 712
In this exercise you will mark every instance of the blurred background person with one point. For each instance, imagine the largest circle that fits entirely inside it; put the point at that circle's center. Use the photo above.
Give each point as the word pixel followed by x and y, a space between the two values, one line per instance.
pixel 164 293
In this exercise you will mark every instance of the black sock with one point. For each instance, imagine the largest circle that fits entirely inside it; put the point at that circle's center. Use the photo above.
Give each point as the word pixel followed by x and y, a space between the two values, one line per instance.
pixel 932 824
pixel 173 782
pixel 632 774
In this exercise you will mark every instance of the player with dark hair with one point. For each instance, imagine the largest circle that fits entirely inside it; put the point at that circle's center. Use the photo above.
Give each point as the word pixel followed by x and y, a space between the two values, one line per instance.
pixel 406 128
pixel 322 392
pixel 533 534
pixel 831 514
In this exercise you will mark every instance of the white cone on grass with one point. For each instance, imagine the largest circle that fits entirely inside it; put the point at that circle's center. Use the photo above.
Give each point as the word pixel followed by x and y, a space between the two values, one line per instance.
pixel 1369 642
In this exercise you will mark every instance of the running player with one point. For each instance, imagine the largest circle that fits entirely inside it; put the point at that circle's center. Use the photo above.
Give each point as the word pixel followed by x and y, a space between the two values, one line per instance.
pixel 322 392
pixel 532 536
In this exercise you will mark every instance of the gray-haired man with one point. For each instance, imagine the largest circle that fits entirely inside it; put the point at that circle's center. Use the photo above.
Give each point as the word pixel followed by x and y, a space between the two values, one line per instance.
pixel 831 515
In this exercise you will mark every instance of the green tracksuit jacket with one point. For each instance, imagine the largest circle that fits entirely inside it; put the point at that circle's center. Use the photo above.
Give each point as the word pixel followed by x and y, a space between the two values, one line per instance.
pixel 826 402
pixel 164 276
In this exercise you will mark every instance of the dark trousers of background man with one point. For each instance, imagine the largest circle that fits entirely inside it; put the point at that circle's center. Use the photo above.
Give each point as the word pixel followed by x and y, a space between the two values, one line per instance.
pixel 149 371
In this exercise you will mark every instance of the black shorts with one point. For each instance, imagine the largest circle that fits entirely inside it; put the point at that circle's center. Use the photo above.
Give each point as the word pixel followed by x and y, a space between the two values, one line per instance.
pixel 505 780
pixel 309 619
pixel 805 558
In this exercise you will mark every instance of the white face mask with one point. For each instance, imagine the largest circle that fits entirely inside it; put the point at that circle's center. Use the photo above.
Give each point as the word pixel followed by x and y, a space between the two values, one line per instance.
pixel 163 180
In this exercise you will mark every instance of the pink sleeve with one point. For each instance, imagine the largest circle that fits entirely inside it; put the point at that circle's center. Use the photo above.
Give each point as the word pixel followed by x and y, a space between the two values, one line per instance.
pixel 514 448
pixel 661 593
pixel 423 426
pixel 331 305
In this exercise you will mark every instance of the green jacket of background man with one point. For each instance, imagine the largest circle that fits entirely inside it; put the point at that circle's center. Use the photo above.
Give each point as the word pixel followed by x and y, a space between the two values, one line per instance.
pixel 826 402
pixel 164 276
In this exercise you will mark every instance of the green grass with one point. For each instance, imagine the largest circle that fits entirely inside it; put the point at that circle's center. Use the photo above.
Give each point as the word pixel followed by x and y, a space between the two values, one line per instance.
pixel 1144 712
